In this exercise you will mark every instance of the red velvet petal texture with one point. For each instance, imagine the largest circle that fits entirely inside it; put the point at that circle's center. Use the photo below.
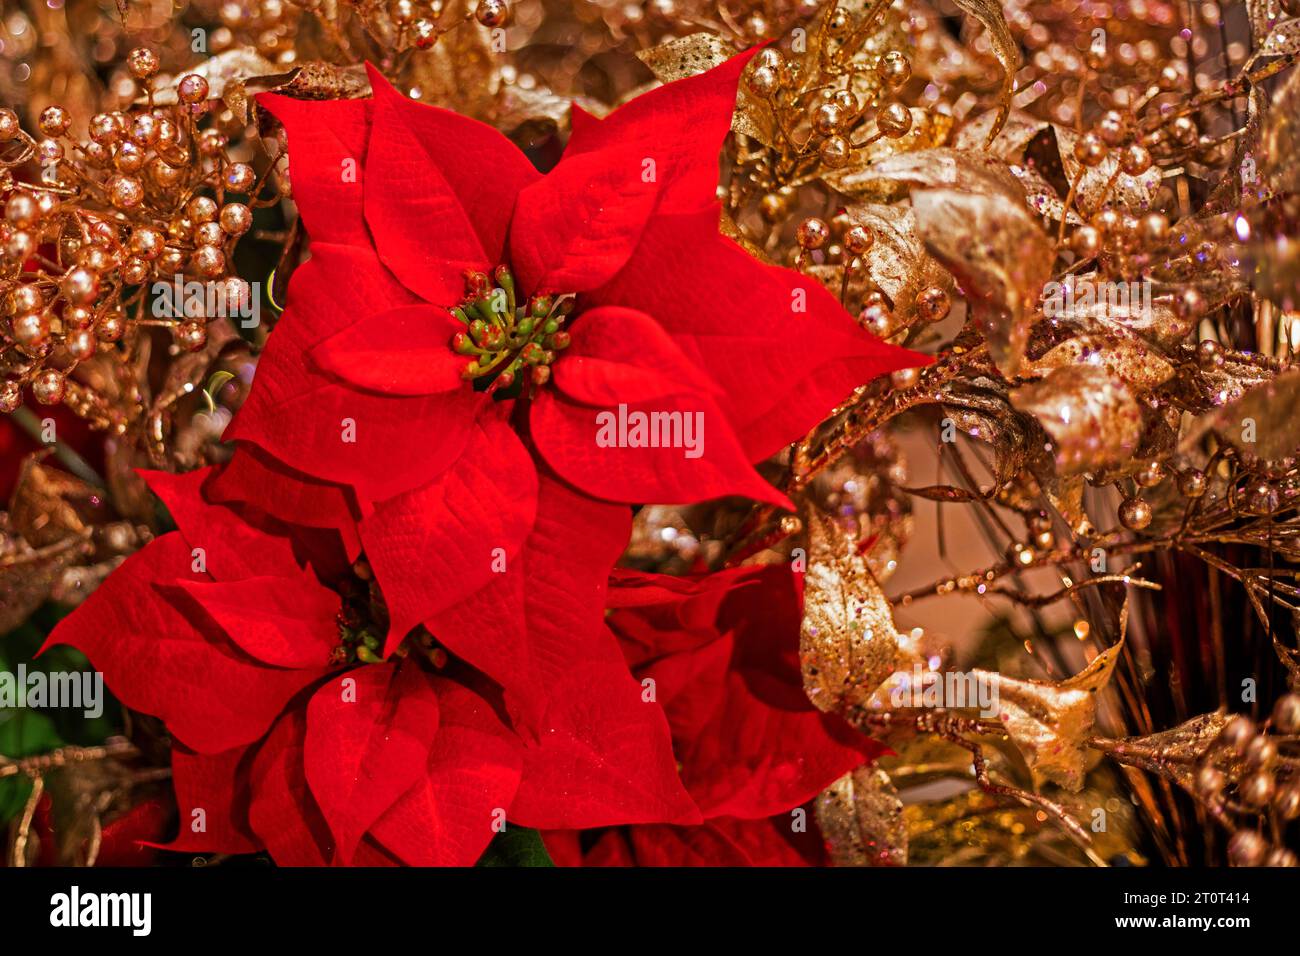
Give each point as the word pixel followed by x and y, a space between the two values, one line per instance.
pixel 252 476
pixel 576 228
pixel 439 544
pixel 304 418
pixel 529 624
pixel 598 433
pixel 435 161
pixel 211 696
pixel 211 801
pixel 231 548
pixel 369 731
pixel 779 344
pixel 282 811
pixel 403 352
pixel 446 818
pixel 327 150
pixel 681 126
pixel 282 621
pixel 603 757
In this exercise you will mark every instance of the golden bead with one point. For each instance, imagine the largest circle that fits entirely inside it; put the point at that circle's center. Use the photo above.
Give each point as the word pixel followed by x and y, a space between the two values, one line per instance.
pixel 79 286
pixel 1090 150
pixel 933 304
pixel 1135 159
pixel 812 233
pixel 240 177
pixel 11 395
pixel 9 127
pixel 1257 789
pixel 894 69
pixel 858 239
pixel 763 81
pixel 236 218
pixel 191 336
pixel 492 13
pixel 1286 714
pixel 54 121
pixel 894 119
pixel 125 192
pixel 142 63
pixel 192 89
pixel 208 261
pixel 1134 514
pixel 834 152
pixel 1246 848
pixel 48 387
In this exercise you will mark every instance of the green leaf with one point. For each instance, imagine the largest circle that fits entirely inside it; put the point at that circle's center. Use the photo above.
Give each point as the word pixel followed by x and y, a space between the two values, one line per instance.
pixel 516 846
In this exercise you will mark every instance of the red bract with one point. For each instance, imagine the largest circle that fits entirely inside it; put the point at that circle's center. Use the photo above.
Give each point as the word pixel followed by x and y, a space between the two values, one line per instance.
pixel 287 739
pixel 468 358
pixel 720 653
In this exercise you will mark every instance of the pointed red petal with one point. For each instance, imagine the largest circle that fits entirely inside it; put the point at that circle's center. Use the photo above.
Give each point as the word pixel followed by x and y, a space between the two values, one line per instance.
pixel 781 346
pixel 304 418
pixel 368 737
pixel 447 818
pixel 437 545
pixel 282 811
pixel 212 801
pixel 622 355
pixel 577 227
pixel 403 352
pixel 327 154
pixel 525 627
pixel 457 180
pixel 681 126
pixel 602 757
pixel 254 477
pixel 232 548
pixel 283 621
pixel 210 696
pixel 585 446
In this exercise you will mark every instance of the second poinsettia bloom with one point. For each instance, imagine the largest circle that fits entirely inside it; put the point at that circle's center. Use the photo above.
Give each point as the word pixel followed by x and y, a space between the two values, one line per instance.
pixel 477 353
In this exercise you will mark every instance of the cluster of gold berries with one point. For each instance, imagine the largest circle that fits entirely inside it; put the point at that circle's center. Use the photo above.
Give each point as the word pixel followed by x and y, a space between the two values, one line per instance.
pixel 828 117
pixel 150 195
pixel 1245 772
pixel 420 21
pixel 845 242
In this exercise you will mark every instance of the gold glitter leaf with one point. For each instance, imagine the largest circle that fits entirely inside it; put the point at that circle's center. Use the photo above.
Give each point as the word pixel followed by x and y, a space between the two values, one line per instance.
pixel 1103 183
pixel 998 253
pixel 897 261
pixel 1050 722
pixel 1005 48
pixel 1093 418
pixel 848 646
pixel 1121 354
pixel 1282 39
pixel 1265 420
pixel 1016 130
pixel 861 818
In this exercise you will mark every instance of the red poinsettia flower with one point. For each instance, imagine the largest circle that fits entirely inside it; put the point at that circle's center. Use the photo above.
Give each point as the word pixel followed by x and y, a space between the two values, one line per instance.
pixel 477 356
pixel 292 735
pixel 720 653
